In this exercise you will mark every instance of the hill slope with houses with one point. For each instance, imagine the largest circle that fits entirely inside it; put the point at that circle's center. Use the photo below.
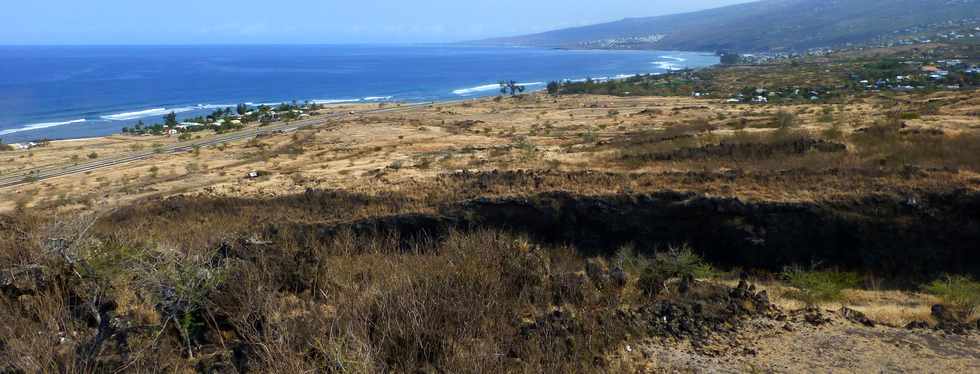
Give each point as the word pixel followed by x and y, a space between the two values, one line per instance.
pixel 764 26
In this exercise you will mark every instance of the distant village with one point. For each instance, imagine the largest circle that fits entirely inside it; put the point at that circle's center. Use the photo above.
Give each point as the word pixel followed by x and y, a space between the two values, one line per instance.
pixel 225 119
pixel 885 75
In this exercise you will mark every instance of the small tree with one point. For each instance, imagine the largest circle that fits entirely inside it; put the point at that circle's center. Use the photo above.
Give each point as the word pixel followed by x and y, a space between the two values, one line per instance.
pixel 170 120
pixel 554 88
pixel 512 87
pixel 730 58
pixel 815 286
pixel 241 109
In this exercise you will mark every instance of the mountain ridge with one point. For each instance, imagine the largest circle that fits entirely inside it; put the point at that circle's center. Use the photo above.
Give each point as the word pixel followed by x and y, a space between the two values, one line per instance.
pixel 767 25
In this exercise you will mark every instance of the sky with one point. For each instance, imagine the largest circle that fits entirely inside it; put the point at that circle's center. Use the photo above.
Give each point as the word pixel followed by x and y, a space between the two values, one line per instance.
pixel 309 21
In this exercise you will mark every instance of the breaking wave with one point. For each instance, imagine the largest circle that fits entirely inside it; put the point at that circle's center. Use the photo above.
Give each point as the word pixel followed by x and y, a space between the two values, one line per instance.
pixel 490 87
pixel 669 66
pixel 155 112
pixel 37 126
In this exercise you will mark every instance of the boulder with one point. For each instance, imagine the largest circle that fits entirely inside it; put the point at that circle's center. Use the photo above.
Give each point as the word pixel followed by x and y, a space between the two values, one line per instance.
pixel 814 316
pixel 856 317
pixel 23 280
pixel 947 320
pixel 917 325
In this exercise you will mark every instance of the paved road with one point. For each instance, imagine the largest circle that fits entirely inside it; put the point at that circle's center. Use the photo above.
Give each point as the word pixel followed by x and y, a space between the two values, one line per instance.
pixel 39 174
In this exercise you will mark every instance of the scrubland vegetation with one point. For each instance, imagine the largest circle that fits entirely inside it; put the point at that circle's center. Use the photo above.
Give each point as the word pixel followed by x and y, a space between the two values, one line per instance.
pixel 480 301
pixel 338 282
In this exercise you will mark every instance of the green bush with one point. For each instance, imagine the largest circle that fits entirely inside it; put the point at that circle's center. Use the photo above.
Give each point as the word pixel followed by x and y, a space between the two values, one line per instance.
pixel 956 290
pixel 675 262
pixel 819 286
pixel 679 262
pixel 630 261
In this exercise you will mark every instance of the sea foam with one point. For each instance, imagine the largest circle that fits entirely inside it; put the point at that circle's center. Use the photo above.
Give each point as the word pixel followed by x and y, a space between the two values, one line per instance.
pixel 334 101
pixel 489 87
pixel 669 66
pixel 37 126
pixel 156 112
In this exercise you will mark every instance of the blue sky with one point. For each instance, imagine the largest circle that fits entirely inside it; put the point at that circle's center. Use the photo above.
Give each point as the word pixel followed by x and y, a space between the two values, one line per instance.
pixel 308 21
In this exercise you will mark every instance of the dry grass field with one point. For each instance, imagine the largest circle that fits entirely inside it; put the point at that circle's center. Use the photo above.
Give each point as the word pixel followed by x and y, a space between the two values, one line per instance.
pixel 655 137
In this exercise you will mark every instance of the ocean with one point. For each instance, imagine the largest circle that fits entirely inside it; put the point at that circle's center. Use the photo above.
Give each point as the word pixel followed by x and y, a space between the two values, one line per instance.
pixel 63 92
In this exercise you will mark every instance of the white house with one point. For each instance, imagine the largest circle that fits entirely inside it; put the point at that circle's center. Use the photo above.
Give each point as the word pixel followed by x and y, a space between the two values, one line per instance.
pixel 187 125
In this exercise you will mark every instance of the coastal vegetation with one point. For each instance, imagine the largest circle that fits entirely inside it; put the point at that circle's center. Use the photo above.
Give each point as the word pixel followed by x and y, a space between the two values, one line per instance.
pixel 223 120
pixel 801 80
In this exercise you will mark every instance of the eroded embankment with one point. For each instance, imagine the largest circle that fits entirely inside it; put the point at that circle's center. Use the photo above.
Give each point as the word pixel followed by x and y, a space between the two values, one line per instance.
pixel 904 238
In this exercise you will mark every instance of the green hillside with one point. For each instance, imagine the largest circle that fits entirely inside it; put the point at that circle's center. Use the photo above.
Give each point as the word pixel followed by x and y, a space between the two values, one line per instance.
pixel 768 25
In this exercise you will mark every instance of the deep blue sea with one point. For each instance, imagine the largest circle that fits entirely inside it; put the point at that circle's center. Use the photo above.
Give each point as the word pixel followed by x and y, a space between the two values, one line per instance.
pixel 74 92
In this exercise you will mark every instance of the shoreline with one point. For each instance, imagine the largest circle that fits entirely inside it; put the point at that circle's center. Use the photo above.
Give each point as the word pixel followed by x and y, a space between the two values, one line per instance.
pixel 661 63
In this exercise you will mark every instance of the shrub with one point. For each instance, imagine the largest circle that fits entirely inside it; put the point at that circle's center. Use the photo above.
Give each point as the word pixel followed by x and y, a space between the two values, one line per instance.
pixel 628 260
pixel 589 137
pixel 956 290
pixel 785 120
pixel 681 262
pixel 819 286
pixel 525 146
pixel 834 132
pixel 93 155
pixel 675 262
